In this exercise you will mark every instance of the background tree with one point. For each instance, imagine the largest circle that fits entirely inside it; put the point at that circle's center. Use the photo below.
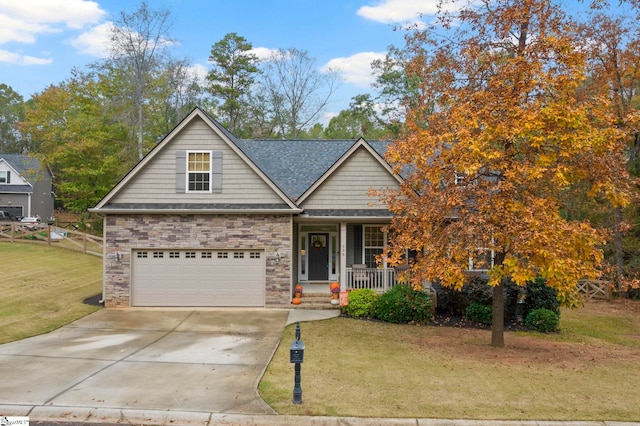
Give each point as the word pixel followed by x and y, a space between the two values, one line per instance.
pixel 296 91
pixel 359 120
pixel 11 113
pixel 499 134
pixel 137 42
pixel 232 77
pixel 77 140
pixel 614 73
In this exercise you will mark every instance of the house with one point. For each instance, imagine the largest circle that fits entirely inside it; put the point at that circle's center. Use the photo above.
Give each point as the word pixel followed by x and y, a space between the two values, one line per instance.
pixel 25 187
pixel 207 219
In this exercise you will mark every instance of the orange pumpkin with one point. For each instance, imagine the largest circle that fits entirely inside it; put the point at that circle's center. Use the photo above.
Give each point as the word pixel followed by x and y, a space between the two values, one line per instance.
pixel 298 289
pixel 296 301
pixel 334 285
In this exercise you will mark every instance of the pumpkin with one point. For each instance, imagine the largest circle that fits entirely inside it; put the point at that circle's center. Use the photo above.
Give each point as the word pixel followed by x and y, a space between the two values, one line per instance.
pixel 334 286
pixel 298 289
pixel 296 301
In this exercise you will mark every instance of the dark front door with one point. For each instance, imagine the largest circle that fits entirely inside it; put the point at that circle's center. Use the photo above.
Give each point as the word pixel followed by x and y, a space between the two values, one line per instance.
pixel 318 257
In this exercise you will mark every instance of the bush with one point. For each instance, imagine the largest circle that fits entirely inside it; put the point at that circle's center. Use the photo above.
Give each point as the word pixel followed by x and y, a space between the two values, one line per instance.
pixel 482 314
pixel 403 304
pixel 361 303
pixel 539 295
pixel 542 320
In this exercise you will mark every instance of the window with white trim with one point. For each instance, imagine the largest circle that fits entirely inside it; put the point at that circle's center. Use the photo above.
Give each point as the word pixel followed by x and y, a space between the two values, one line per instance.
pixel 199 171
pixel 5 176
pixel 373 243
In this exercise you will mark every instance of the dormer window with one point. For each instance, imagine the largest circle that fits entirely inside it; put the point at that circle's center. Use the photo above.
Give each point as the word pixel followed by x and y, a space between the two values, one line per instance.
pixel 199 171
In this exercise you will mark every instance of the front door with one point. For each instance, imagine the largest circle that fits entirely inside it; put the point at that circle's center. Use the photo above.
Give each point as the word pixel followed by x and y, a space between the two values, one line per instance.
pixel 318 257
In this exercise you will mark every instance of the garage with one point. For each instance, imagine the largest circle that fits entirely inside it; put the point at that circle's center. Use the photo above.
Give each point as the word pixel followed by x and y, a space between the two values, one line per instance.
pixel 170 277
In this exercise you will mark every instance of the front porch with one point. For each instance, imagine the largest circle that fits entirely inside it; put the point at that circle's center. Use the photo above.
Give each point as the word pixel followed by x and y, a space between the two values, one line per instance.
pixel 349 253
pixel 357 276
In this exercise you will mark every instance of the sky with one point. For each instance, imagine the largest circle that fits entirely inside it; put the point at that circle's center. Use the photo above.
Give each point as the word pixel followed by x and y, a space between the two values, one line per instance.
pixel 41 41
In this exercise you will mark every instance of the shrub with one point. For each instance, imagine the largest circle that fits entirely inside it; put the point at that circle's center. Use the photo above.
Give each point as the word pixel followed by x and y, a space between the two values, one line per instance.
pixel 403 304
pixel 361 303
pixel 482 314
pixel 542 320
pixel 539 295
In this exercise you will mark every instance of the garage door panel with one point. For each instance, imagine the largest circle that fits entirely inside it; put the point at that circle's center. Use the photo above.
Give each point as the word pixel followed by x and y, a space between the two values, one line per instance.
pixel 198 278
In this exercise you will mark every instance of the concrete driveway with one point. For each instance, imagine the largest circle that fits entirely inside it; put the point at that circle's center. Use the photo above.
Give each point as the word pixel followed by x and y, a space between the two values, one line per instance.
pixel 197 361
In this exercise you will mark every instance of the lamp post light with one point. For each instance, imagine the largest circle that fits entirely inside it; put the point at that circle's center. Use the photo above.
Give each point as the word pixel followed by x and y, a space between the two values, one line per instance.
pixel 297 357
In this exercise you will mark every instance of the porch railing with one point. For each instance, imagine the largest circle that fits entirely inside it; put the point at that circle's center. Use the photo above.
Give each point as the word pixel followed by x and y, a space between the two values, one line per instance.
pixel 377 279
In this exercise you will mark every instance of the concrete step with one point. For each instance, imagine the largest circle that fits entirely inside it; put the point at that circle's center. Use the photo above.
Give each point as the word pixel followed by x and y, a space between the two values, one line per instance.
pixel 315 301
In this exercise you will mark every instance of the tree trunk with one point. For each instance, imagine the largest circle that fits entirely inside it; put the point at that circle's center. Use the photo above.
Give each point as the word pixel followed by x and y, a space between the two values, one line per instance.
pixel 617 242
pixel 497 321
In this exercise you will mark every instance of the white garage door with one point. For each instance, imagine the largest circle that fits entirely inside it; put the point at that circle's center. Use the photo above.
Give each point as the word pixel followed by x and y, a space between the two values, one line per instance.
pixel 165 277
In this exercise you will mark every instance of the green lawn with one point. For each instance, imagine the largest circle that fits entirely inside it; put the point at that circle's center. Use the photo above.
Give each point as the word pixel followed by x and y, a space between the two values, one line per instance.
pixel 42 288
pixel 588 371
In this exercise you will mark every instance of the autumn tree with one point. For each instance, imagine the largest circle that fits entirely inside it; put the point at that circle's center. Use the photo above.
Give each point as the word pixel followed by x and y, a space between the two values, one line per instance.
pixel 77 139
pixel 499 134
pixel 232 77
pixel 614 73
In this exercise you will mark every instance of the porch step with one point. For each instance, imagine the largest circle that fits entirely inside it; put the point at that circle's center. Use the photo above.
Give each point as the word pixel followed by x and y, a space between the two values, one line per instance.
pixel 315 301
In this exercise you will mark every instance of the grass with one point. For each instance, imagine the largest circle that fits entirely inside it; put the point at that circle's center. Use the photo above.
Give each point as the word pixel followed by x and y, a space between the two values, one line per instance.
pixel 43 288
pixel 588 371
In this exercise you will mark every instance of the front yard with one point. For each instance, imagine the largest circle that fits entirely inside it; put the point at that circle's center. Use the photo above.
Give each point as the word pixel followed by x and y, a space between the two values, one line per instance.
pixel 590 370
pixel 43 288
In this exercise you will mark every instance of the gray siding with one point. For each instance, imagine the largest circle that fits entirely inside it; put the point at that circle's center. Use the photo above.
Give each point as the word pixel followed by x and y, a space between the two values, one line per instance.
pixel 156 183
pixel 348 186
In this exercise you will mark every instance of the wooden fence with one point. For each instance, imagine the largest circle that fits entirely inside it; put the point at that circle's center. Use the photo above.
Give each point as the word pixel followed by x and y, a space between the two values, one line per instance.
pixel 595 289
pixel 52 235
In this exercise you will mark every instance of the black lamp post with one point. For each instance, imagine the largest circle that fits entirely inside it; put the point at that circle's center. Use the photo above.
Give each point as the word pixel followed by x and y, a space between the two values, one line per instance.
pixel 297 357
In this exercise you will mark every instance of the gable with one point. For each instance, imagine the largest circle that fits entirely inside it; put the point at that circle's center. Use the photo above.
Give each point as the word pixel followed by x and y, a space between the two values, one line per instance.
pixel 347 187
pixel 154 185
pixel 162 180
pixel 17 169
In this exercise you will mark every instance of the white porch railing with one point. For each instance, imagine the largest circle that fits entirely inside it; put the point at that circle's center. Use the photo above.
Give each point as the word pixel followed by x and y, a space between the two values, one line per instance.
pixel 377 279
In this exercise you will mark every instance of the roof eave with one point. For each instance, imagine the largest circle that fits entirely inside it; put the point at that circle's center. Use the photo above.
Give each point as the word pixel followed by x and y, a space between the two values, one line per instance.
pixel 105 211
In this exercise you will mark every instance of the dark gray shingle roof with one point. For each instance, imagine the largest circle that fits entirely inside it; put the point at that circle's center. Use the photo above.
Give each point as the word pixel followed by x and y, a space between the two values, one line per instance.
pixel 28 167
pixel 295 165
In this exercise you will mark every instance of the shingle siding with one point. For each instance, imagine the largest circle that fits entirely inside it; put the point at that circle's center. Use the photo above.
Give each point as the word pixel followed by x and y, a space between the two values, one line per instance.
pixel 348 187
pixel 157 182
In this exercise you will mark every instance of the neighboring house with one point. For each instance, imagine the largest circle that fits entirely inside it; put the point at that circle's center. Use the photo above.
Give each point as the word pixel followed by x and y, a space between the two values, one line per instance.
pixel 25 187
pixel 206 219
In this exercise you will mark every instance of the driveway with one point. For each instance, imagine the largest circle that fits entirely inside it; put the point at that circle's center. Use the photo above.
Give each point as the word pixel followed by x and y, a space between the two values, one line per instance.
pixel 202 360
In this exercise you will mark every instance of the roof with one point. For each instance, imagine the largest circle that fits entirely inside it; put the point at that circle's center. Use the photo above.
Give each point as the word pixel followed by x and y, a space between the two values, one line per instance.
pixel 28 167
pixel 291 167
pixel 310 159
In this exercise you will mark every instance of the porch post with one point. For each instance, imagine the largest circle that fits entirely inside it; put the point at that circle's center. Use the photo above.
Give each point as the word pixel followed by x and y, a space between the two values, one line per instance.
pixel 343 256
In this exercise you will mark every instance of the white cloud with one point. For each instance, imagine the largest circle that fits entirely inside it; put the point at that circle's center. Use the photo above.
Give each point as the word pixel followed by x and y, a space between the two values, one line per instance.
pixel 263 53
pixel 15 58
pixel 398 11
pixel 71 13
pixel 200 72
pixel 94 41
pixel 22 21
pixel 355 69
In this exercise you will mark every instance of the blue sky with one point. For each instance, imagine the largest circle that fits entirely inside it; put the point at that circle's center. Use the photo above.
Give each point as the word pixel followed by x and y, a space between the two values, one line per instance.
pixel 42 40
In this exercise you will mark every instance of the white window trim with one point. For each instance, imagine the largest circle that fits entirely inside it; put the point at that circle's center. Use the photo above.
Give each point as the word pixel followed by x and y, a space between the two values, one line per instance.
pixel 210 190
pixel 365 247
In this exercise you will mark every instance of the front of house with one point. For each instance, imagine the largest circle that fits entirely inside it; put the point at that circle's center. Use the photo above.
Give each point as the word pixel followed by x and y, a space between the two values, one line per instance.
pixel 206 219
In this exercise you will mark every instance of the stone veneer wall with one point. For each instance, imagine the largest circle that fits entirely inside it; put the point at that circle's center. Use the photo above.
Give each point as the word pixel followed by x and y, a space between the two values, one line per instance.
pixel 123 233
